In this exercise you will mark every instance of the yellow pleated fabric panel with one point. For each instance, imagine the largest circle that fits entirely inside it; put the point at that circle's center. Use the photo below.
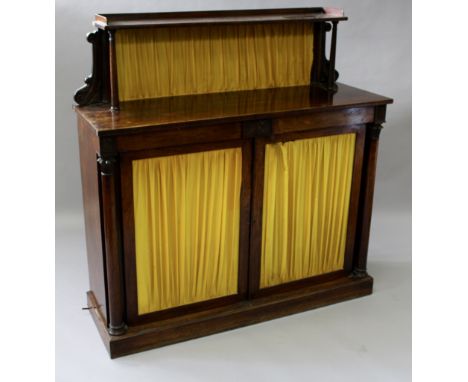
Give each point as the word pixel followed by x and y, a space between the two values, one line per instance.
pixel 172 61
pixel 187 211
pixel 305 212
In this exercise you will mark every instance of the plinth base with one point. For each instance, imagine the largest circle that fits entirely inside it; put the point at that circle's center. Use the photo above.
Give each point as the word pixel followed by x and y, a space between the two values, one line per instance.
pixel 182 328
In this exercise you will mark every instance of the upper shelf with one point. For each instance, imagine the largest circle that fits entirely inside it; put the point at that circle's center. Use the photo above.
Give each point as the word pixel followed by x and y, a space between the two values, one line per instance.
pixel 147 20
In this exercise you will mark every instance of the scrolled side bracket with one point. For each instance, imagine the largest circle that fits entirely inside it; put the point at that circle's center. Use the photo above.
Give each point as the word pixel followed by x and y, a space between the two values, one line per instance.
pixel 96 87
pixel 323 73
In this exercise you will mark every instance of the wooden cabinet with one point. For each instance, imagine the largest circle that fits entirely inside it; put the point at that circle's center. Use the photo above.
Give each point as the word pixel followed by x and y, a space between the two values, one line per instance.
pixel 210 211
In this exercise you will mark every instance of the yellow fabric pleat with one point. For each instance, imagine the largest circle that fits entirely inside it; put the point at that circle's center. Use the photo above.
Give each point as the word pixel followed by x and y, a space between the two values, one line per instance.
pixel 187 216
pixel 172 61
pixel 305 207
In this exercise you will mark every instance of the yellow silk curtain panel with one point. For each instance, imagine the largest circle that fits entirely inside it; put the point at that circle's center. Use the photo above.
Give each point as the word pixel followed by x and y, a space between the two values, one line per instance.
pixel 306 198
pixel 187 216
pixel 174 61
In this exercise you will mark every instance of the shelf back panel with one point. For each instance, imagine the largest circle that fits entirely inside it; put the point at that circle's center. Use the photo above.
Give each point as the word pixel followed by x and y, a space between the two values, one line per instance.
pixel 174 61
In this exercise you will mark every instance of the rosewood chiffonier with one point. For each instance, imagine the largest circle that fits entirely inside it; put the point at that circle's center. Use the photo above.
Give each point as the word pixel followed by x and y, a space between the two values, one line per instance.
pixel 227 176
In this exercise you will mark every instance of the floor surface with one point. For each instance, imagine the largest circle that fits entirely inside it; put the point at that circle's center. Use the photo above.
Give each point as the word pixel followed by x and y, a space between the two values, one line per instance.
pixel 368 339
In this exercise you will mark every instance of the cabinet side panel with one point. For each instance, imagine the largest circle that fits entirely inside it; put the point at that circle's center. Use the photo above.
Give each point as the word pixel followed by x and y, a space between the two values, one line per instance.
pixel 91 204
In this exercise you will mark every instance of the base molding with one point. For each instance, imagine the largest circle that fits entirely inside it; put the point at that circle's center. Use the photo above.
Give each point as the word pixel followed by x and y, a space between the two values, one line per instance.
pixel 189 326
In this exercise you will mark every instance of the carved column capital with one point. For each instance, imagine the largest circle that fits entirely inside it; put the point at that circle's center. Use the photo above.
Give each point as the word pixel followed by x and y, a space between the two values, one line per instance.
pixel 93 36
pixel 374 131
pixel 107 164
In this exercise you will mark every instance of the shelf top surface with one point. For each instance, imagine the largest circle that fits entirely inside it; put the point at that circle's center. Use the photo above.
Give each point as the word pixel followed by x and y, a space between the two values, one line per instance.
pixel 147 20
pixel 143 115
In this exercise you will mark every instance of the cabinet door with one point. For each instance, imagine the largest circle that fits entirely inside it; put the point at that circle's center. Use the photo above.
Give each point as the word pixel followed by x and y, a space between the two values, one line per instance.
pixel 306 192
pixel 186 213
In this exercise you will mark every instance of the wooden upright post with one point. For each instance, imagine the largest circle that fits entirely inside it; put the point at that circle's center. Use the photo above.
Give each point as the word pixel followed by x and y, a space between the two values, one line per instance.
pixel 113 72
pixel 112 242
pixel 367 196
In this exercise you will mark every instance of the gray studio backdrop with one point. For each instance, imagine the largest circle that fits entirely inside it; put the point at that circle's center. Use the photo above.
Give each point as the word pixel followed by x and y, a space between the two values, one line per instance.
pixel 373 52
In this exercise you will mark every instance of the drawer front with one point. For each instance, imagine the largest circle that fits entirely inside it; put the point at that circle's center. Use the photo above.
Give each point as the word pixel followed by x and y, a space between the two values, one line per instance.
pixel 323 119
pixel 177 136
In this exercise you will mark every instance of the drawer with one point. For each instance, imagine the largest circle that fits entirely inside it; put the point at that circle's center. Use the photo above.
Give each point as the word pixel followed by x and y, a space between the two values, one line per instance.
pixel 324 119
pixel 178 136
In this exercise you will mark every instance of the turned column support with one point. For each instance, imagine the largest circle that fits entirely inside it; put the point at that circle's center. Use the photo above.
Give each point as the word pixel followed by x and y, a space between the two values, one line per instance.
pixel 108 168
pixel 367 192
pixel 331 67
pixel 114 89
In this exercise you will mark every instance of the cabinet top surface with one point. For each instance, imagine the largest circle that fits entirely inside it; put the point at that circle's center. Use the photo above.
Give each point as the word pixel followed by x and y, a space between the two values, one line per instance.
pixel 148 20
pixel 142 115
